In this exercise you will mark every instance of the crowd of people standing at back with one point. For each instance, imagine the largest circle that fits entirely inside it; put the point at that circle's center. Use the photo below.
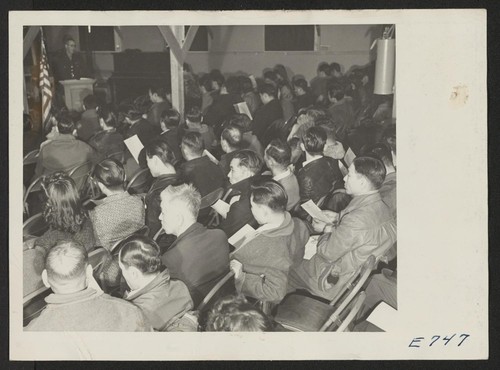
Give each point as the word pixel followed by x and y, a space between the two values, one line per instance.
pixel 330 142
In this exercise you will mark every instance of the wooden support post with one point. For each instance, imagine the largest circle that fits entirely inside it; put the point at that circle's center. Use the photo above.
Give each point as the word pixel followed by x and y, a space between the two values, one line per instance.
pixel 29 38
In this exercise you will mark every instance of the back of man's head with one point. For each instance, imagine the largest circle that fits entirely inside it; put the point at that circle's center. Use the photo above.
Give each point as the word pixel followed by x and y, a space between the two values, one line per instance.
pixel 90 102
pixel 233 136
pixel 379 151
pixel 269 90
pixel 324 68
pixel 270 194
pixel 300 83
pixel 194 115
pixel 371 168
pixel 193 143
pixel 241 120
pixel 171 118
pixel 249 159
pixel 66 264
pixel 160 149
pixel 335 90
pixel 65 124
pixel 315 140
pixel 280 152
pixel 232 85
pixel 184 196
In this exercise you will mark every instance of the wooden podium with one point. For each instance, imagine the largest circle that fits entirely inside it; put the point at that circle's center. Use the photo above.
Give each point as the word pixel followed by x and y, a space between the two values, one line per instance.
pixel 75 91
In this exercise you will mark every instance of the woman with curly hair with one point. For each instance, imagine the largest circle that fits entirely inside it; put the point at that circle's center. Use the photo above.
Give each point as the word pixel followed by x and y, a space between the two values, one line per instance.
pixel 64 213
pixel 163 300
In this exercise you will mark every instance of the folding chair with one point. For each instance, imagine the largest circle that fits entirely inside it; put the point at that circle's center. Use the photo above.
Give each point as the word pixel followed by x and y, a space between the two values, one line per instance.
pixel 35 186
pixel 31 157
pixel 214 217
pixel 116 247
pixel 224 286
pixel 140 182
pixel 205 215
pixel 35 226
pixel 119 156
pixel 80 174
pixel 299 312
pixel 342 319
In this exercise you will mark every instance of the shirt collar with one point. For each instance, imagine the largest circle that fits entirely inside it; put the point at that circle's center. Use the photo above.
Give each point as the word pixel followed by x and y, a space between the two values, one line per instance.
pixel 311 160
pixel 282 175
pixel 87 293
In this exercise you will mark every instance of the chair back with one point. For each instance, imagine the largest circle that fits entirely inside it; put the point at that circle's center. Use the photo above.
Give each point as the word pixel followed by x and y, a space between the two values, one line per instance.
pixel 117 246
pixel 140 182
pixel 211 198
pixel 31 157
pixel 34 187
pixel 80 173
pixel 35 225
pixel 119 156
pixel 158 234
pixel 352 310
pixel 223 287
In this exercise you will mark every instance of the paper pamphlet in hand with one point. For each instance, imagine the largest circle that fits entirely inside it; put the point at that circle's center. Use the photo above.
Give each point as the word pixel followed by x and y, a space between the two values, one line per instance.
pixel 134 146
pixel 210 156
pixel 384 316
pixel 243 108
pixel 349 156
pixel 253 80
pixel 311 247
pixel 314 211
pixel 239 237
pixel 221 207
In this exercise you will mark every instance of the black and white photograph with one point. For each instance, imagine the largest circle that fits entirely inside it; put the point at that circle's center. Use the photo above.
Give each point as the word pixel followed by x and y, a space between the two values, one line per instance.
pixel 193 172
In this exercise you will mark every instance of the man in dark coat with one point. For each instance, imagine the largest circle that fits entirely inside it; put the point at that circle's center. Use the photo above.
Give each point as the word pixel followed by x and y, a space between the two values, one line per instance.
pixel 267 113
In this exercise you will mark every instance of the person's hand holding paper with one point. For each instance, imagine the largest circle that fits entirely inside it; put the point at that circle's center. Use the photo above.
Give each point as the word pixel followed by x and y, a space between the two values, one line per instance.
pixel 320 225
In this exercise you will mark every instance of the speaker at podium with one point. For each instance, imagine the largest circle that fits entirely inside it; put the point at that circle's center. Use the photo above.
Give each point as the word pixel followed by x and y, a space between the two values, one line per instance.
pixel 75 91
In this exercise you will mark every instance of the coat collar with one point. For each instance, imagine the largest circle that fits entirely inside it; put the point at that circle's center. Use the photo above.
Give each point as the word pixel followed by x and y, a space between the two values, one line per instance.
pixel 194 227
pixel 160 279
pixel 360 201
pixel 82 295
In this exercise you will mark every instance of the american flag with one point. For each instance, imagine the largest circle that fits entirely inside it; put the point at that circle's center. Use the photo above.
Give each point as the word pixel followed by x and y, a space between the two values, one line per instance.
pixel 45 85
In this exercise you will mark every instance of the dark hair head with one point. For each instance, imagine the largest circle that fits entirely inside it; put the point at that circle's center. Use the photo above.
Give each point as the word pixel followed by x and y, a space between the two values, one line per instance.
pixel 371 168
pixel 63 210
pixel 194 115
pixel 110 173
pixel 300 82
pixel 335 67
pixel 206 82
pixel 141 252
pixel 161 149
pixel 232 85
pixel 234 313
pixel 324 67
pixel 90 101
pixel 66 261
pixel 335 90
pixel 241 120
pixel 245 84
pixel 216 75
pixel 160 91
pixel 268 89
pixel 271 76
pixel 170 117
pixel 65 124
pixel 379 151
pixel 280 71
pixel 280 152
pixel 233 136
pixel 249 159
pixel 315 140
pixel 269 193
pixel 315 114
pixel 294 143
pixel 107 116
pixel 194 142
pixel 131 112
pixel 68 38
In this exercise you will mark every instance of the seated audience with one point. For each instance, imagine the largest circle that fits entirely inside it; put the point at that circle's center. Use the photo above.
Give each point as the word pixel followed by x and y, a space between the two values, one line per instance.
pixel 366 227
pixel 198 169
pixel 279 78
pixel 160 160
pixel 267 113
pixel 318 83
pixel 303 98
pixel 388 189
pixel 64 214
pixel 207 92
pixel 199 257
pixel 169 123
pixel 244 168
pixel 248 94
pixel 74 304
pixel 194 123
pixel 250 141
pixel 158 96
pixel 319 174
pixel 234 313
pixel 119 214
pixel 262 262
pixel 64 151
pixel 108 140
pixel 231 141
pixel 88 125
pixel 162 300
pixel 137 125
pixel 278 159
